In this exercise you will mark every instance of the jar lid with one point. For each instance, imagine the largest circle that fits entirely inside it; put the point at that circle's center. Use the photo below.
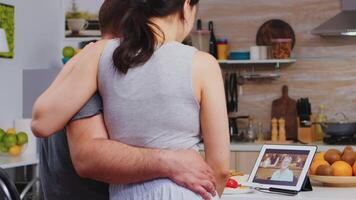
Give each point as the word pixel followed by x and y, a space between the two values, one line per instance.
pixel 222 40
pixel 279 40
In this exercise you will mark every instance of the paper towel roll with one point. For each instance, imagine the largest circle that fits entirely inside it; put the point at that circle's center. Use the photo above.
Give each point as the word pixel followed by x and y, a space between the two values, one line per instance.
pixel 25 126
pixel 254 53
pixel 263 52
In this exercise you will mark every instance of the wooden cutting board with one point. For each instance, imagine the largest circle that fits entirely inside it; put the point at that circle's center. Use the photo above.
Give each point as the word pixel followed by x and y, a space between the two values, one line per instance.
pixel 286 107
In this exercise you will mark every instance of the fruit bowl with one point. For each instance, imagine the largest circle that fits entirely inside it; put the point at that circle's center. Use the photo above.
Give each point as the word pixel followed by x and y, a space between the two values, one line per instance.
pixel 12 143
pixel 17 152
pixel 335 181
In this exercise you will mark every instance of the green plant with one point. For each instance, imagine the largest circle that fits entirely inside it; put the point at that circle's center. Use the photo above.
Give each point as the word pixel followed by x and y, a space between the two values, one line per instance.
pixel 74 12
pixel 7 19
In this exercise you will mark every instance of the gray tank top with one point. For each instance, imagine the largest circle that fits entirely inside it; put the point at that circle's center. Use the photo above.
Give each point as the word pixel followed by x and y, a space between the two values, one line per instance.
pixel 153 105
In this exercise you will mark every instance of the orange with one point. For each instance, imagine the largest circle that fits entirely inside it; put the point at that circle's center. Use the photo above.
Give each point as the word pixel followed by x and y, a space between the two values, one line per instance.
pixel 319 156
pixel 15 150
pixel 341 168
pixel 354 168
pixel 316 164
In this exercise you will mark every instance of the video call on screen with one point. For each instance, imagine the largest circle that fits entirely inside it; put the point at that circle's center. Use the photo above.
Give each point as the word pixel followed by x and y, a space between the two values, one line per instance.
pixel 281 167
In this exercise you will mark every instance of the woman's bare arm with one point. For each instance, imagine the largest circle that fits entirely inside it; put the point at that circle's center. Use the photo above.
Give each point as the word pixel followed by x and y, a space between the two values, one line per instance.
pixel 214 120
pixel 72 88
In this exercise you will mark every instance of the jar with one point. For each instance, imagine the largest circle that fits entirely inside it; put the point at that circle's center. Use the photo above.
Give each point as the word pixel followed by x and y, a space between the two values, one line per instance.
pixel 201 40
pixel 281 48
pixel 222 49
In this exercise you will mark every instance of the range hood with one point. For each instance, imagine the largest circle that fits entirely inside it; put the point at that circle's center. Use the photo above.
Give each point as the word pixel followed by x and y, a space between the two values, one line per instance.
pixel 343 24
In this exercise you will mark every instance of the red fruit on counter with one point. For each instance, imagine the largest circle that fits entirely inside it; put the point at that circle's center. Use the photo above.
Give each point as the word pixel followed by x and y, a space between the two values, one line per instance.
pixel 231 183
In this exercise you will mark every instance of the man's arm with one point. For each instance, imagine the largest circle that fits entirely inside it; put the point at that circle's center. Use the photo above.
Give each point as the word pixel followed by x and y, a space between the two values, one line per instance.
pixel 96 157
pixel 76 83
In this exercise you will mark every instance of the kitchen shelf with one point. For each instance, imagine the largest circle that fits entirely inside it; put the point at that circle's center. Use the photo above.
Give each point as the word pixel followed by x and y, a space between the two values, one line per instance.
pixel 268 61
pixel 80 39
pixel 253 75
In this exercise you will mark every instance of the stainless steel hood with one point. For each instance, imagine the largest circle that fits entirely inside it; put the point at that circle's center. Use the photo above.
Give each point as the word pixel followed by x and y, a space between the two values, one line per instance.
pixel 343 24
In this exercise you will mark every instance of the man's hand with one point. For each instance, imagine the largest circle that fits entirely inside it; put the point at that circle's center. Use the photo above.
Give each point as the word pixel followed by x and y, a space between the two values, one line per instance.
pixel 188 169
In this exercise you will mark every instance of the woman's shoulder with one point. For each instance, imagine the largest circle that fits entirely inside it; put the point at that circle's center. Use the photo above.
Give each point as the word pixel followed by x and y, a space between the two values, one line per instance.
pixel 205 62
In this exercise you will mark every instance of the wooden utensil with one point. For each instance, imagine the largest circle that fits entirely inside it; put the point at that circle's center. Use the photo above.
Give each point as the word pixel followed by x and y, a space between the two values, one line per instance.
pixel 286 107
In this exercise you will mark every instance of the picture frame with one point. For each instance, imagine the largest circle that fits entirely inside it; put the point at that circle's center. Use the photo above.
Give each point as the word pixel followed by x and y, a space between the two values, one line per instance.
pixel 81 18
pixel 7 22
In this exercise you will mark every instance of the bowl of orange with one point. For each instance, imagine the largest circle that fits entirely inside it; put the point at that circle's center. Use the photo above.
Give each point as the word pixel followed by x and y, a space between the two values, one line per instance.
pixel 12 143
pixel 334 168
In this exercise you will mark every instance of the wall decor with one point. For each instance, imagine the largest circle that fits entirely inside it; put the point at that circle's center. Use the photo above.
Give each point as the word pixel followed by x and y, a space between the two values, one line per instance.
pixel 81 18
pixel 7 22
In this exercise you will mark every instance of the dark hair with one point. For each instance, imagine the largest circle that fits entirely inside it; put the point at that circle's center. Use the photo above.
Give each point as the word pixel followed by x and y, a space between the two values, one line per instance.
pixel 138 39
pixel 110 15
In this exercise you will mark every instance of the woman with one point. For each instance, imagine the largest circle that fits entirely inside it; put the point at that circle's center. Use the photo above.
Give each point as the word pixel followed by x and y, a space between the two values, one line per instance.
pixel 151 83
pixel 284 173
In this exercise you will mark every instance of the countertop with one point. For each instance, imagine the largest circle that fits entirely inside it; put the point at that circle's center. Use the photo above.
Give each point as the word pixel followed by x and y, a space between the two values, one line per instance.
pixel 19 161
pixel 253 147
pixel 318 193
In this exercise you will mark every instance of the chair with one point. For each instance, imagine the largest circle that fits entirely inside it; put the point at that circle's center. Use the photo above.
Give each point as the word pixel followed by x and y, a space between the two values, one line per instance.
pixel 7 187
pixel 32 149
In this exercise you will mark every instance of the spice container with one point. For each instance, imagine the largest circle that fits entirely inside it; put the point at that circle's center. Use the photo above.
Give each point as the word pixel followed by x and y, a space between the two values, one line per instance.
pixel 281 48
pixel 274 134
pixel 223 49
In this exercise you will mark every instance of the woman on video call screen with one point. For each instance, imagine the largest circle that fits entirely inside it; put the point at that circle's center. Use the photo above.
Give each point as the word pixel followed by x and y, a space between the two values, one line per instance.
pixel 281 167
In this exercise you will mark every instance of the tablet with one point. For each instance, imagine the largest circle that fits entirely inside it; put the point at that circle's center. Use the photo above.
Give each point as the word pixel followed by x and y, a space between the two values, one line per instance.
pixel 282 167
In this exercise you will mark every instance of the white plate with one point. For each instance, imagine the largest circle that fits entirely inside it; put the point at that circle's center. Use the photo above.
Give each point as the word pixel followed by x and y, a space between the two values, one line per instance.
pixel 239 190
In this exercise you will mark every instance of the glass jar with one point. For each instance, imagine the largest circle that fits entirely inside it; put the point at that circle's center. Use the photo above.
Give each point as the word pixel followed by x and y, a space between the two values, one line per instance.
pixel 251 133
pixel 201 40
pixel 281 48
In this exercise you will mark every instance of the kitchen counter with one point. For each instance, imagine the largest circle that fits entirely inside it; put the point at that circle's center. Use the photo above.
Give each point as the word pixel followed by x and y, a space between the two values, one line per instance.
pixel 19 161
pixel 318 193
pixel 253 147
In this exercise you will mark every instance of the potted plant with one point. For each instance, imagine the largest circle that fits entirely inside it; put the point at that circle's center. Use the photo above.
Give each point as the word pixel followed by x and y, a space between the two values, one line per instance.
pixel 76 20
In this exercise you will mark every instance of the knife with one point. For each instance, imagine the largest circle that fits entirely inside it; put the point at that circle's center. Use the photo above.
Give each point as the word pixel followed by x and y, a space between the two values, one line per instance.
pixel 227 92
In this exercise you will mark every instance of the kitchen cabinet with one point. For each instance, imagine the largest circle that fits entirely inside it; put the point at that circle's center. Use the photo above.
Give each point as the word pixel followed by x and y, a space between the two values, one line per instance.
pixel 245 161
pixel 241 161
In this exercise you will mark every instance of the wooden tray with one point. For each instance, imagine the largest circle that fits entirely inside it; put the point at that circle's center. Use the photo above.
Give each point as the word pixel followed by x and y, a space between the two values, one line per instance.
pixel 335 181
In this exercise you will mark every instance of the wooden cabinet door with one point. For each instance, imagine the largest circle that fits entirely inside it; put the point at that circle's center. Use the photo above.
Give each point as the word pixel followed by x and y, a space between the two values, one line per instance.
pixel 245 161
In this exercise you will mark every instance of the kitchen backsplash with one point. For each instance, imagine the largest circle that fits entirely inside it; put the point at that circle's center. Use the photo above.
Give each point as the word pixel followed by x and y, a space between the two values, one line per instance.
pixel 325 70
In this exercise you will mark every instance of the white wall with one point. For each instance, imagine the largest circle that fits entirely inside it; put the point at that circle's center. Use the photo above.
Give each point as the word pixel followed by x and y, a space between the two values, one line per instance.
pixel 38 43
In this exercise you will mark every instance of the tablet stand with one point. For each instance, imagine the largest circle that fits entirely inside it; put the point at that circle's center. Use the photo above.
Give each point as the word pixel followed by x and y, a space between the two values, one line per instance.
pixel 306 185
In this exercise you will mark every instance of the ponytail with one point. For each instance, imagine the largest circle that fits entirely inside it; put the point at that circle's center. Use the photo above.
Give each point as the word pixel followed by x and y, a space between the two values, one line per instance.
pixel 138 40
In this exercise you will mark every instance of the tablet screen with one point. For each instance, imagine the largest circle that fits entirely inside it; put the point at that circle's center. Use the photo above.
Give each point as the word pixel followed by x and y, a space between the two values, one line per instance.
pixel 281 167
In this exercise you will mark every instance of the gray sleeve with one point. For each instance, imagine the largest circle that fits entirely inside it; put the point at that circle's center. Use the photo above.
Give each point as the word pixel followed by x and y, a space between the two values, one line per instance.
pixel 93 107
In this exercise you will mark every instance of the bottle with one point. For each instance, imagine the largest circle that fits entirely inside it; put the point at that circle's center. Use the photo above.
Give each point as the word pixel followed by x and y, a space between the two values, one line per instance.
pixel 251 134
pixel 199 25
pixel 282 130
pixel 212 45
pixel 274 132
pixel 260 135
pixel 222 46
pixel 320 118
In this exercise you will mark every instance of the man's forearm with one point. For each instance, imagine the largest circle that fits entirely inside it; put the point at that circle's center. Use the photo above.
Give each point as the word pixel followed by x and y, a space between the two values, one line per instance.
pixel 113 162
